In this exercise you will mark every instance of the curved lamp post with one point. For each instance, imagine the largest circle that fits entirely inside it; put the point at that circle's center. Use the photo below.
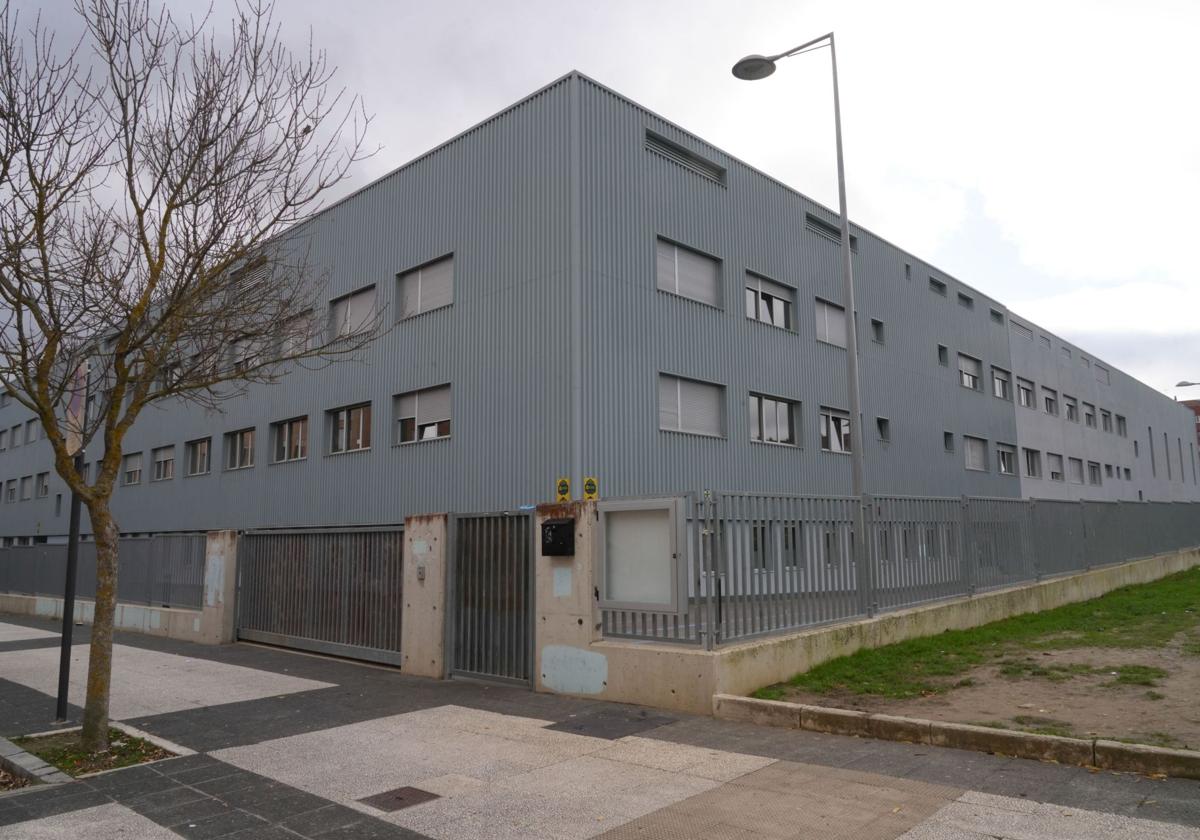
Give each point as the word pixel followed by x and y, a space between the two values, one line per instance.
pixel 755 67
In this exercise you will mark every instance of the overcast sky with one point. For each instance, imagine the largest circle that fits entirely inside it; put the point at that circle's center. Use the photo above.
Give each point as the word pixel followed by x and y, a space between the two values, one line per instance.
pixel 1047 153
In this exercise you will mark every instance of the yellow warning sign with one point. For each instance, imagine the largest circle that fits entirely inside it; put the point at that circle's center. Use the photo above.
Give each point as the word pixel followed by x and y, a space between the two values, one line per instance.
pixel 562 490
pixel 591 489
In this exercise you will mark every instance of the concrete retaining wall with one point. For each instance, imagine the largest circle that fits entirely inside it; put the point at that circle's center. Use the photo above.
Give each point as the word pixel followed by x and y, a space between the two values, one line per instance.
pixel 686 678
pixel 211 624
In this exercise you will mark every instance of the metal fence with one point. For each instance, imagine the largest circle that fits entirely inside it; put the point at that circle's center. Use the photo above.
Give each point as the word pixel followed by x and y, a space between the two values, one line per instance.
pixel 333 591
pixel 165 570
pixel 764 564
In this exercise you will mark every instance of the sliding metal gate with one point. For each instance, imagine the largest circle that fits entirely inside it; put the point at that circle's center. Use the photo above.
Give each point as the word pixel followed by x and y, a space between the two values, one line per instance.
pixel 490 620
pixel 338 592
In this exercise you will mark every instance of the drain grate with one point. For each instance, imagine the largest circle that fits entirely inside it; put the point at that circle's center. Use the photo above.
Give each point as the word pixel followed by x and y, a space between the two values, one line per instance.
pixel 401 797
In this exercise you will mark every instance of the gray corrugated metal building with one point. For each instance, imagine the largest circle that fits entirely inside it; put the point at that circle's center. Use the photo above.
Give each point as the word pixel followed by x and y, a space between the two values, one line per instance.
pixel 565 216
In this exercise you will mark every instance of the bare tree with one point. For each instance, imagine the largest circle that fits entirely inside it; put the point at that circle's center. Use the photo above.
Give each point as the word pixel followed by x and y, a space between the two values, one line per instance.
pixel 155 181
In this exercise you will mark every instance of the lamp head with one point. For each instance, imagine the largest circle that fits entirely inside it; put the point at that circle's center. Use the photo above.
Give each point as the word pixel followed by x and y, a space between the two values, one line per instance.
pixel 1185 384
pixel 754 67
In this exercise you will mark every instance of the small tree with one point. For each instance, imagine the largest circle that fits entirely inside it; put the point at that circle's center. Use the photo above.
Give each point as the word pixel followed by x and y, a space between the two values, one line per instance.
pixel 154 183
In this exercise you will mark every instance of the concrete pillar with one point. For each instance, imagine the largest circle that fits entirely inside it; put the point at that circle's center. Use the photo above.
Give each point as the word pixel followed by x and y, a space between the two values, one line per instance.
pixel 218 619
pixel 567 617
pixel 423 622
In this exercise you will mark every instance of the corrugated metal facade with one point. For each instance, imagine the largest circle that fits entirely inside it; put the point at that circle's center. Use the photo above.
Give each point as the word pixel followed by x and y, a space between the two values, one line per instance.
pixel 557 335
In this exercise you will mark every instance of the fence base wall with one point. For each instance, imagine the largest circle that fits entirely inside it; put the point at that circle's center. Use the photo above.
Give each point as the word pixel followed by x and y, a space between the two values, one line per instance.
pixel 211 624
pixel 686 678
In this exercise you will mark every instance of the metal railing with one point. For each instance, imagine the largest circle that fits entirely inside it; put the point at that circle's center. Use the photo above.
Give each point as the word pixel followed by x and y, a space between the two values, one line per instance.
pixel 764 564
pixel 165 570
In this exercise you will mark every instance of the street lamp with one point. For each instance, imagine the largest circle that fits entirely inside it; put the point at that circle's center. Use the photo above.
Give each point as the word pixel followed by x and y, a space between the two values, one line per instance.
pixel 755 67
pixel 1186 384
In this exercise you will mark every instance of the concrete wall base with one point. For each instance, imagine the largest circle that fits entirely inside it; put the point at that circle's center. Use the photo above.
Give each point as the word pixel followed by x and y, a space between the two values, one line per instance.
pixel 686 678
pixel 212 624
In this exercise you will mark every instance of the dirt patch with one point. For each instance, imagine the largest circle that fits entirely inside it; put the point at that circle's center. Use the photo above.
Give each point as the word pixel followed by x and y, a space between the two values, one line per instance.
pixel 1147 696
pixel 64 751
pixel 9 781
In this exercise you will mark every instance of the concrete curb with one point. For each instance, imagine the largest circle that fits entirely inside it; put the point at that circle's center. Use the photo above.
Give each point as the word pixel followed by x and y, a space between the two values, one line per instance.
pixel 28 766
pixel 1109 755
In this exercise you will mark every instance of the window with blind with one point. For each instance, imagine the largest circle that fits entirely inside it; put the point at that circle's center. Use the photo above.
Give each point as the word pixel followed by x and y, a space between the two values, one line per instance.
pixel 831 323
pixel 131 469
pixel 970 372
pixel 768 301
pixel 688 274
pixel 164 463
pixel 1033 463
pixel 1054 465
pixel 1075 470
pixel 427 288
pixel 685 405
pixel 422 415
pixel 349 428
pixel 835 430
pixel 975 450
pixel 1001 384
pixel 1006 459
pixel 352 313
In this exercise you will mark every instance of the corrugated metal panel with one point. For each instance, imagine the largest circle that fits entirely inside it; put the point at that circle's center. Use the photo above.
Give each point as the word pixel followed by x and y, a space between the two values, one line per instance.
pixel 552 223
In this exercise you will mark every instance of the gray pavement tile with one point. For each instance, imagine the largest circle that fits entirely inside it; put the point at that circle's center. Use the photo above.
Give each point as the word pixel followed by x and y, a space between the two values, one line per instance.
pixel 11 812
pixel 76 800
pixel 129 782
pixel 162 800
pixel 283 804
pixel 219 826
pixel 221 786
pixel 368 830
pixel 185 763
pixel 207 773
pixel 190 812
pixel 267 833
pixel 325 818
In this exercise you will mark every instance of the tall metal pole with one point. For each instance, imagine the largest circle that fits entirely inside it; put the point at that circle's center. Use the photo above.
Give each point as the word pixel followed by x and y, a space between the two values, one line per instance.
pixel 857 440
pixel 68 619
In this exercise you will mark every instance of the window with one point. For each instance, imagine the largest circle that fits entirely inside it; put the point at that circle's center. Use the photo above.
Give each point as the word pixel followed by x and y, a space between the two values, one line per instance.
pixel 164 463
pixel 131 469
pixel 1128 474
pixel 239 449
pixel 1089 415
pixel 948 441
pixel 768 301
pixel 970 372
pixel 1054 464
pixel 1033 463
pixel 997 316
pixel 291 439
pixel 831 323
pixel 1001 384
pixel 1094 473
pixel 27 488
pixel 908 272
pixel 1006 459
pixel 1085 361
pixel 1050 400
pixel 884 427
pixel 198 452
pixel 1025 393
pixel 31 431
pixel 877 334
pixel 688 274
pixel 835 430
pixel 943 355
pixel 966 301
pixel 1072 407
pixel 350 428
pixel 1108 471
pixel 42 485
pixel 976 453
pixel 773 420
pixel 685 405
pixel 427 288
pixel 422 415
pixel 1020 329
pixel 10 490
pixel 352 313
pixel 245 352
pixel 1123 428
pixel 937 287
pixel 1066 351
pixel 3 439
pixel 14 436
pixel 1075 470
pixel 295 335
pixel 1046 343
pixel 1106 420
pixel 1101 374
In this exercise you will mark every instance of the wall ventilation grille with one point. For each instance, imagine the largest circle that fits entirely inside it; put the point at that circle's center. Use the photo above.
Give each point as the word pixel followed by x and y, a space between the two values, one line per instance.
pixel 686 158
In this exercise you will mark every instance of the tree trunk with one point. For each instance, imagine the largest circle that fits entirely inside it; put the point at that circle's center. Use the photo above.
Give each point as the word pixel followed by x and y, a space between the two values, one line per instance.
pixel 99 679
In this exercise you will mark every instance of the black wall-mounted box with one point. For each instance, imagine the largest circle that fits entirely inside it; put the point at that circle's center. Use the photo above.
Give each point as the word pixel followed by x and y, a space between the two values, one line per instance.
pixel 558 537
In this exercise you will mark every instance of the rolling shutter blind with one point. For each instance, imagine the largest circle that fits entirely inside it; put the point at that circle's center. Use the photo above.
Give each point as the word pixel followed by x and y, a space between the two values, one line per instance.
pixel 668 402
pixel 665 260
pixel 697 276
pixel 427 288
pixel 970 366
pixel 976 454
pixel 772 288
pixel 831 323
pixel 406 405
pixel 433 405
pixel 700 408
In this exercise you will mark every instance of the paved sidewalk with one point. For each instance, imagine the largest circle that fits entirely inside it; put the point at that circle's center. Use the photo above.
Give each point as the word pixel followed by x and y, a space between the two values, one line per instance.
pixel 296 746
